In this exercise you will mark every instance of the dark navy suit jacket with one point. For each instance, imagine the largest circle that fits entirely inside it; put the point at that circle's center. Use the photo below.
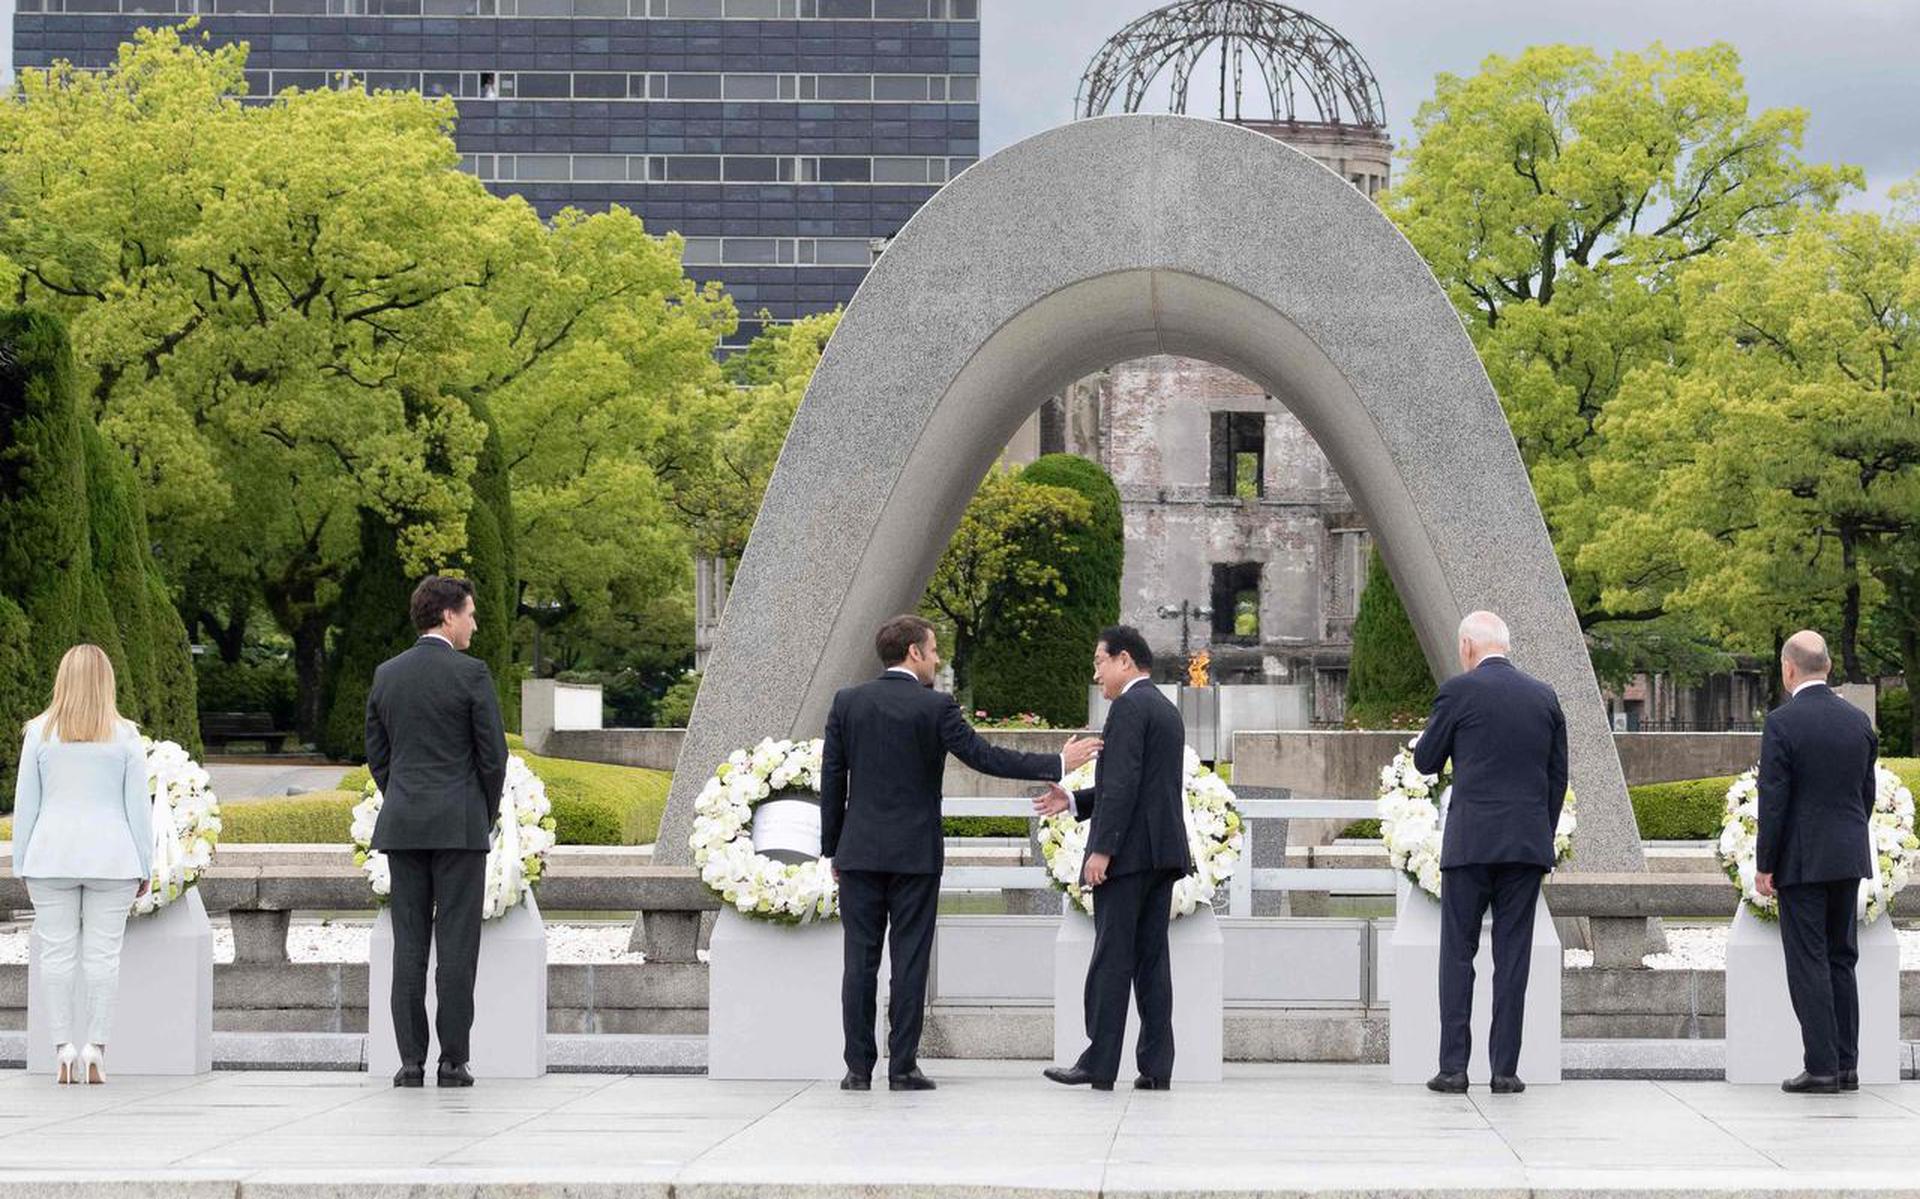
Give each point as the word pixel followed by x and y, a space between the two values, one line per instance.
pixel 1816 790
pixel 1507 738
pixel 1138 798
pixel 881 768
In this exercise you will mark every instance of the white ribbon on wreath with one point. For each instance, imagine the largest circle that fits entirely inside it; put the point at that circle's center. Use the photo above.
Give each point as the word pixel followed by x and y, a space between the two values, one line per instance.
pixel 517 847
pixel 186 823
pixel 1213 838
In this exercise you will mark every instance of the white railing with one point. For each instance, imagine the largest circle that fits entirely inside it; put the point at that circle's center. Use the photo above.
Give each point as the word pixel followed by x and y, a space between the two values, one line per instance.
pixel 1246 879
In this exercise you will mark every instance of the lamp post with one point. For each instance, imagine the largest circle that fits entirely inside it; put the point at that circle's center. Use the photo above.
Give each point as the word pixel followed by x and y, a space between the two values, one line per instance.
pixel 1186 612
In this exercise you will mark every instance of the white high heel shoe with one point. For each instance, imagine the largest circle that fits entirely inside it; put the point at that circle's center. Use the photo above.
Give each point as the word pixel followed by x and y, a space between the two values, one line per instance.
pixel 64 1058
pixel 93 1064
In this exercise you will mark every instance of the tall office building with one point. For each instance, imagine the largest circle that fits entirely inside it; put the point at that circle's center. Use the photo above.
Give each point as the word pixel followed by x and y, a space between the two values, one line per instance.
pixel 785 139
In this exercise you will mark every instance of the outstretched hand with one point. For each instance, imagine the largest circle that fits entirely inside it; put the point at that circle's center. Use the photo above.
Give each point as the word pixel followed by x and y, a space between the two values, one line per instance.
pixel 1079 751
pixel 1052 801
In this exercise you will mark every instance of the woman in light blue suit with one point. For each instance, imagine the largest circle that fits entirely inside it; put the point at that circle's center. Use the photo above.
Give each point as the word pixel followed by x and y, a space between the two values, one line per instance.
pixel 83 842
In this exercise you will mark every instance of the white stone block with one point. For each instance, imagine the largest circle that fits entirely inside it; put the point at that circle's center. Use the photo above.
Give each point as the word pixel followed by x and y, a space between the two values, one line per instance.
pixel 773 1000
pixel 1199 984
pixel 1413 994
pixel 163 1020
pixel 1763 1037
pixel 994 959
pixel 509 1037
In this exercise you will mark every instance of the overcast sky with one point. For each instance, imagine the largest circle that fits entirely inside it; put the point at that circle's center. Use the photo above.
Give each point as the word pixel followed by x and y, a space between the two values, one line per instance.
pixel 1853 64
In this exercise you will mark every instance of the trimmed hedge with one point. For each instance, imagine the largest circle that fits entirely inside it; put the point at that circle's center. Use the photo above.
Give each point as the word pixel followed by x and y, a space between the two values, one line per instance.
pixel 322 817
pixel 1687 810
pixel 1045 671
pixel 593 803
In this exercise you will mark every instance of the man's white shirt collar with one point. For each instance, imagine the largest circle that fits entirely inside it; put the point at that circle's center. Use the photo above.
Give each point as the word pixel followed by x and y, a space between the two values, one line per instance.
pixel 1131 682
pixel 439 638
pixel 901 670
pixel 1809 683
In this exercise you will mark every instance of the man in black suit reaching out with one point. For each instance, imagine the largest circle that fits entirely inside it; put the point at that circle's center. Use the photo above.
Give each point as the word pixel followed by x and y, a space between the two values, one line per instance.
pixel 880 773
pixel 436 748
pixel 1507 739
pixel 1817 789
pixel 1136 851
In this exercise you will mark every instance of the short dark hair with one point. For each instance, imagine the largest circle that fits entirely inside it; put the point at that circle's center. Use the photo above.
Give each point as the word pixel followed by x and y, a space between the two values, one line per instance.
pixel 899 635
pixel 436 596
pixel 1125 639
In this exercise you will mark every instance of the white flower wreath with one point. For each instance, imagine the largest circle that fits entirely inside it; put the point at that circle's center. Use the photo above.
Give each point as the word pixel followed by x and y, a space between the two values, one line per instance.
pixel 516 850
pixel 1413 818
pixel 1213 837
pixel 1896 849
pixel 751 882
pixel 186 823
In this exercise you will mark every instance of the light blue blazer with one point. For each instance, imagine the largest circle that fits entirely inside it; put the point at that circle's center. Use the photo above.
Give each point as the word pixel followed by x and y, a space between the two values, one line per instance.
pixel 81 808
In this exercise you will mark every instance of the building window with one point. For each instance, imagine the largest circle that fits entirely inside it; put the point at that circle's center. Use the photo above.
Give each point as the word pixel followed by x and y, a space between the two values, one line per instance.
pixel 1236 602
pixel 1239 449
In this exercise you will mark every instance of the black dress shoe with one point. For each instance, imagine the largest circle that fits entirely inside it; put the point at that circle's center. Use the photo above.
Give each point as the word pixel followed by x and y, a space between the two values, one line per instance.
pixel 1147 1082
pixel 410 1075
pixel 1507 1084
pixel 1812 1084
pixel 1074 1076
pixel 856 1082
pixel 912 1080
pixel 1448 1084
pixel 453 1074
pixel 1849 1080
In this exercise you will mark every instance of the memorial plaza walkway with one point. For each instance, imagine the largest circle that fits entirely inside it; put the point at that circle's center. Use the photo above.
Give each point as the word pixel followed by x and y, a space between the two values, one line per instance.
pixel 992 1129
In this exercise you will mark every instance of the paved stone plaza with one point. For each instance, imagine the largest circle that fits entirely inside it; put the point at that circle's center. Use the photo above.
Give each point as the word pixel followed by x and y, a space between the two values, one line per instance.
pixel 993 1129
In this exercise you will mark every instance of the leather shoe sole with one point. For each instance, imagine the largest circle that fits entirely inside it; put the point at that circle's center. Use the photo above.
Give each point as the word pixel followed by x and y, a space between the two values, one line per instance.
pixel 1074 1077
pixel 1145 1083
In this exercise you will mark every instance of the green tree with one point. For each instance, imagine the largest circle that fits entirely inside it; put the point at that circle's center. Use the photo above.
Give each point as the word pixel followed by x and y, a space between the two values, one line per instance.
pixel 1389 684
pixel 1556 196
pixel 1045 669
pixel 1004 569
pixel 1776 482
pixel 719 485
pixel 290 313
pixel 375 625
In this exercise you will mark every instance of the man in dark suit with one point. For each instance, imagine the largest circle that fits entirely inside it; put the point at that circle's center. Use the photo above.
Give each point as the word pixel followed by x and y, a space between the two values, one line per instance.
pixel 437 751
pixel 1507 739
pixel 880 773
pixel 1816 794
pixel 1136 851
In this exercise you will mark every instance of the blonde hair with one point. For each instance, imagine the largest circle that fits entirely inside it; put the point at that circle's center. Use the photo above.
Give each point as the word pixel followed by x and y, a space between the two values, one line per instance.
pixel 83 698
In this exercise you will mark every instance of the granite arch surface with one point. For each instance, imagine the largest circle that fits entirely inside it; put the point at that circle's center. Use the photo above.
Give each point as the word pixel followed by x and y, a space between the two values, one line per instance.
pixel 1094 243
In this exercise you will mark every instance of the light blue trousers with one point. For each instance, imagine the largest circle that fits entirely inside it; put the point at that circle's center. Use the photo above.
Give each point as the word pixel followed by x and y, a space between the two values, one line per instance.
pixel 80 920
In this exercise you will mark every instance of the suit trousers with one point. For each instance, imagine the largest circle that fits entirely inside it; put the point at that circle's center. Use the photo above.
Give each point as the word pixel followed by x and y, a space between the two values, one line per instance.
pixel 874 904
pixel 1511 889
pixel 435 904
pixel 81 920
pixel 1821 940
pixel 1130 917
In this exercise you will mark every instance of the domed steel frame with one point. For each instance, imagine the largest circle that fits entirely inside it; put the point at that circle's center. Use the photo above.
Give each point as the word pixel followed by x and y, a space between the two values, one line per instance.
pixel 1298 56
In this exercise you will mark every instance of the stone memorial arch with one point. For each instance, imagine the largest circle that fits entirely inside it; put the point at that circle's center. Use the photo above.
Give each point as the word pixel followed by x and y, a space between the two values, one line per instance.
pixel 1097 242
